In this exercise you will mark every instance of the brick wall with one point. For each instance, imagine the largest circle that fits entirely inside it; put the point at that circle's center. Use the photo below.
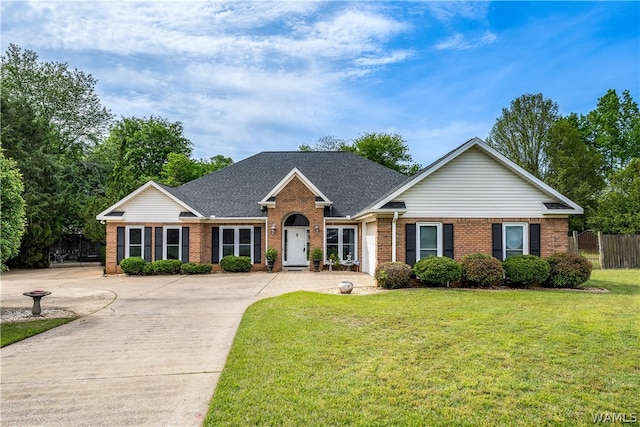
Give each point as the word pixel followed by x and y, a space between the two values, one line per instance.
pixel 472 235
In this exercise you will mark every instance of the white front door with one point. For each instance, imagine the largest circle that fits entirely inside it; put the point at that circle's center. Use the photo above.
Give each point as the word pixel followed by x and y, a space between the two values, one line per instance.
pixel 295 241
pixel 369 256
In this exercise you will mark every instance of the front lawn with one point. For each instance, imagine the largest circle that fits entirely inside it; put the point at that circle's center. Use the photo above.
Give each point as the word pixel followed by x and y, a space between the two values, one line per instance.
pixel 17 331
pixel 436 357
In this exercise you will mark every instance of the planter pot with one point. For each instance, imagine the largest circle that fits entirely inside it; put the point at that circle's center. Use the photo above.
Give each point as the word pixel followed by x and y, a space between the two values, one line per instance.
pixel 316 265
pixel 270 265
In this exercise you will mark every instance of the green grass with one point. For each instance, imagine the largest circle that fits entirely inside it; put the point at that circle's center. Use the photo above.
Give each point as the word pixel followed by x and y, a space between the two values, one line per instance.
pixel 436 357
pixel 17 331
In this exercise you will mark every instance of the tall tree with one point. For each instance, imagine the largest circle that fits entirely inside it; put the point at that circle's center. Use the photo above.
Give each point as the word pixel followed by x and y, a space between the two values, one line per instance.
pixel 180 168
pixel 25 138
pixel 619 208
pixel 326 143
pixel 614 129
pixel 141 147
pixel 575 168
pixel 12 210
pixel 389 150
pixel 521 132
pixel 62 97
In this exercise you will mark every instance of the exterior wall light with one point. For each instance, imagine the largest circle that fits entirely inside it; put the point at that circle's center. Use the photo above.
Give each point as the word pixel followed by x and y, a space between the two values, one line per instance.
pixel 273 228
pixel 317 228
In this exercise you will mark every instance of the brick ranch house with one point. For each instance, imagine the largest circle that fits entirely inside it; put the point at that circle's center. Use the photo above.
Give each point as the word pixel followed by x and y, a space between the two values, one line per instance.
pixel 473 199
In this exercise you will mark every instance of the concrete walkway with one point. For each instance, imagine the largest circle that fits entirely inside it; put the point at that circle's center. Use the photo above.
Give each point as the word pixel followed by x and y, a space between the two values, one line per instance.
pixel 148 351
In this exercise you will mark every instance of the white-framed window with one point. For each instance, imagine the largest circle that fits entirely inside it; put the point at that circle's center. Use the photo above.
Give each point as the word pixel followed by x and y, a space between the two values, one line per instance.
pixel 237 241
pixel 342 240
pixel 172 248
pixel 514 239
pixel 134 244
pixel 428 239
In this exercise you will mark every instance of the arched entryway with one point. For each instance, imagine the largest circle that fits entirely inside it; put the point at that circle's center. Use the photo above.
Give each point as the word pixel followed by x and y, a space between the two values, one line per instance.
pixel 295 241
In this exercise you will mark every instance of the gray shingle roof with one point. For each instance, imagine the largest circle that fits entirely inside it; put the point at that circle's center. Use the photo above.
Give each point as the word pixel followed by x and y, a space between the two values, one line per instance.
pixel 351 182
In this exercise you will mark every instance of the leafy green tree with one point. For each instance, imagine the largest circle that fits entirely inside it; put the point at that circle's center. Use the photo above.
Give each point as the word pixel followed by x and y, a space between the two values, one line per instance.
pixel 613 128
pixel 64 98
pixel 180 168
pixel 389 150
pixel 326 143
pixel 12 210
pixel 141 147
pixel 575 168
pixel 521 133
pixel 25 139
pixel 619 208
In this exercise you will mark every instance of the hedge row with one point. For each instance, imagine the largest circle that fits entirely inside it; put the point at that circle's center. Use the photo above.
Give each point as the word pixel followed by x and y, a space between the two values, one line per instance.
pixel 136 266
pixel 561 270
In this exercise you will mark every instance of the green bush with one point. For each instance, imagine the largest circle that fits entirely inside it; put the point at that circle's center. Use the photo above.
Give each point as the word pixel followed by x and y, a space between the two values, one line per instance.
pixel 148 269
pixel 393 275
pixel 524 270
pixel 481 270
pixel 236 264
pixel 133 266
pixel 167 266
pixel 568 270
pixel 437 270
pixel 193 268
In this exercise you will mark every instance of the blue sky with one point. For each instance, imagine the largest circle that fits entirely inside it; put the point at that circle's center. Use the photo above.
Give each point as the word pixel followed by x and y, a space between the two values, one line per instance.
pixel 245 77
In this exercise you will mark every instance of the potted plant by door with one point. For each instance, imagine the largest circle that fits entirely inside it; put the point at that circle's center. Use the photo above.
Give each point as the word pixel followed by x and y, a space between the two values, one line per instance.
pixel 271 254
pixel 316 256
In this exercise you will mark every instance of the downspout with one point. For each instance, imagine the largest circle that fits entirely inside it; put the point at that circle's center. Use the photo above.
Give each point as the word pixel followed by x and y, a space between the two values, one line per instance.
pixel 393 236
pixel 266 235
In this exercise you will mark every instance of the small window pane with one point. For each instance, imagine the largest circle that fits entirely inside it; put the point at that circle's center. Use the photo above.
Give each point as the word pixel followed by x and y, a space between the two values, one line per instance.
pixel 228 236
pixel 173 236
pixel 173 252
pixel 514 240
pixel 332 235
pixel 135 236
pixel 245 236
pixel 428 237
pixel 245 250
pixel 227 250
pixel 135 251
pixel 427 253
pixel 348 236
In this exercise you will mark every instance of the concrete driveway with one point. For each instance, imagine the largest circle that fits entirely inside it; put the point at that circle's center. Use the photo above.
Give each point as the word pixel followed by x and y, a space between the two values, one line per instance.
pixel 148 351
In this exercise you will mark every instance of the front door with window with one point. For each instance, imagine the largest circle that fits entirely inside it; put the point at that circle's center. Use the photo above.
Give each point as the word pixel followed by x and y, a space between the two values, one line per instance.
pixel 295 242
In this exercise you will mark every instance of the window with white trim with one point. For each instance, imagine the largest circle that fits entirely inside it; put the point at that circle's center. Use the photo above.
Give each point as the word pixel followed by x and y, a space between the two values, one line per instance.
pixel 135 241
pixel 237 241
pixel 428 239
pixel 172 243
pixel 514 239
pixel 341 241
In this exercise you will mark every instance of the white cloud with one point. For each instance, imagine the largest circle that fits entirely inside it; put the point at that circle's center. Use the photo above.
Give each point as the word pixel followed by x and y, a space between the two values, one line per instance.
pixel 459 41
pixel 446 11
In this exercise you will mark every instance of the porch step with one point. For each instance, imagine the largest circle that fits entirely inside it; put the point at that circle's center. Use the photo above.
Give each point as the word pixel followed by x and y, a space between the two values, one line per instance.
pixel 293 268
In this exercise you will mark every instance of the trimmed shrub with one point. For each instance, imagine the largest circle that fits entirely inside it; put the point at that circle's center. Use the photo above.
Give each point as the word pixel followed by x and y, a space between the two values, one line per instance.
pixel 193 268
pixel 568 270
pixel 148 269
pixel 481 270
pixel 167 266
pixel 133 266
pixel 524 270
pixel 236 264
pixel 437 270
pixel 393 275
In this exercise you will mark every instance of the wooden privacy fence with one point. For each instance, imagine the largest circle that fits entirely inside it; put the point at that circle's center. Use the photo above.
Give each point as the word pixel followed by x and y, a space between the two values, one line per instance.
pixel 607 250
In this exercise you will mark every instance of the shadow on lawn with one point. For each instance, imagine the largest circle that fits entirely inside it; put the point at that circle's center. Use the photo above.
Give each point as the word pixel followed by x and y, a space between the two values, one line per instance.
pixel 616 288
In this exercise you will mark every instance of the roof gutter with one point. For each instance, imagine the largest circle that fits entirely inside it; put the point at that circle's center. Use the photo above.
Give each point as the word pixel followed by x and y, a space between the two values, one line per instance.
pixel 394 245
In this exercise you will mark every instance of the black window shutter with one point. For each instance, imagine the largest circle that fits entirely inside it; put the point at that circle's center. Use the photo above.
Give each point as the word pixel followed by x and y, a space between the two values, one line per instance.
pixel 120 244
pixel 410 238
pixel 147 243
pixel 185 244
pixel 534 239
pixel 257 245
pixel 496 239
pixel 215 245
pixel 159 233
pixel 447 240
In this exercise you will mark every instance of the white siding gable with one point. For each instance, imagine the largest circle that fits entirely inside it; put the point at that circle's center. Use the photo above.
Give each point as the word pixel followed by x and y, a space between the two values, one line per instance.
pixel 474 185
pixel 151 205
